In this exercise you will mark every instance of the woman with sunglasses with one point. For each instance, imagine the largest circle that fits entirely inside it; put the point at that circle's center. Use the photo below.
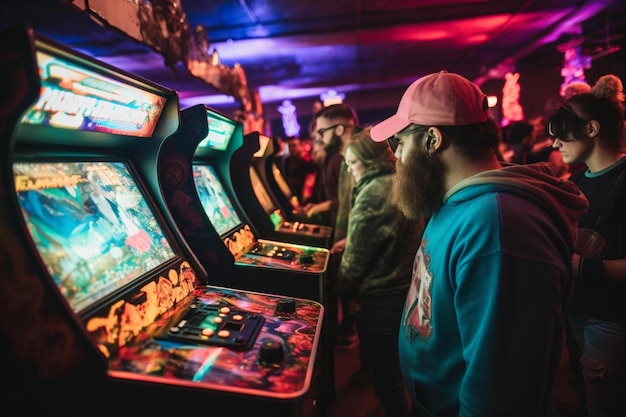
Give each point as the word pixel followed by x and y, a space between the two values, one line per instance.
pixel 588 130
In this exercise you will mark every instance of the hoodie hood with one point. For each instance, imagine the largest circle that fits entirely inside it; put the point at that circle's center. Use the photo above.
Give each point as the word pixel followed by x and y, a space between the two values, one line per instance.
pixel 560 198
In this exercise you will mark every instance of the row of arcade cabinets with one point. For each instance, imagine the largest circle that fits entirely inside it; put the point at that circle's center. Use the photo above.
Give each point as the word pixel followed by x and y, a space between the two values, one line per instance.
pixel 109 303
pixel 277 215
pixel 283 200
pixel 195 176
pixel 205 170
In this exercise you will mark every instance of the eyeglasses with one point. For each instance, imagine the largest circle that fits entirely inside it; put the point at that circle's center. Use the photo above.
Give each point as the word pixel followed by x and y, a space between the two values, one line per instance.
pixel 323 130
pixel 394 141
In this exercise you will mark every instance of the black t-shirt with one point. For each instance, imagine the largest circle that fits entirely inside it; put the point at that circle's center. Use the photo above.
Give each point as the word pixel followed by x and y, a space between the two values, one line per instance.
pixel 296 171
pixel 596 296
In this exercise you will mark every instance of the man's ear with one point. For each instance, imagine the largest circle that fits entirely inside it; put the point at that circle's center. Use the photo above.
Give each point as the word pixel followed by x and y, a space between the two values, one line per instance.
pixel 593 128
pixel 434 140
pixel 340 130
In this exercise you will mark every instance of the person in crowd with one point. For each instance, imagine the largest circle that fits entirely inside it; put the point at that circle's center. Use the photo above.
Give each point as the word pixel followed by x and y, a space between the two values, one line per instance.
pixel 375 270
pixel 334 127
pixel 318 156
pixel 483 321
pixel 521 145
pixel 519 141
pixel 542 145
pixel 330 170
pixel 280 153
pixel 588 130
pixel 300 170
pixel 542 150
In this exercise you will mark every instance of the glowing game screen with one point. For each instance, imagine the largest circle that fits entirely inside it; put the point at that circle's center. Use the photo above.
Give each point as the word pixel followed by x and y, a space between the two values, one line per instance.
pixel 76 98
pixel 214 199
pixel 221 131
pixel 92 226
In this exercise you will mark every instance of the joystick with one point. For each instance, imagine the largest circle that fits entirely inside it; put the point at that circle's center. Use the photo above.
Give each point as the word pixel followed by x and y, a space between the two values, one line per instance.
pixel 271 352
pixel 286 306
pixel 306 260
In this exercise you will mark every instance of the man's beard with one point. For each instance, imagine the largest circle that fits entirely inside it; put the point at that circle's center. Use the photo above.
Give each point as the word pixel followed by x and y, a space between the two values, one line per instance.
pixel 334 146
pixel 418 186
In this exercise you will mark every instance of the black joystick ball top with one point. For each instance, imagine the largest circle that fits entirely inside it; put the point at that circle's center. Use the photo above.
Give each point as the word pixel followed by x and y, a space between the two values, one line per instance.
pixel 286 306
pixel 307 260
pixel 271 352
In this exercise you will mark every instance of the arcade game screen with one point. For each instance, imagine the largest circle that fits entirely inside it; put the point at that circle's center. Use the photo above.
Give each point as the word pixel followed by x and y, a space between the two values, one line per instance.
pixel 91 225
pixel 215 201
pixel 73 97
pixel 220 132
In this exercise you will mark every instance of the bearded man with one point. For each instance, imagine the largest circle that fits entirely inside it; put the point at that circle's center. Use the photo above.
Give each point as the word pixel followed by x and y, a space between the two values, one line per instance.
pixel 483 321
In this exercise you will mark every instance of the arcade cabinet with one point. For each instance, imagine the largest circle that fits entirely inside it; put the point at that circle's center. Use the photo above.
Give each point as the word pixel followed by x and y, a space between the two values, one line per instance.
pixel 277 185
pixel 205 143
pixel 104 305
pixel 269 217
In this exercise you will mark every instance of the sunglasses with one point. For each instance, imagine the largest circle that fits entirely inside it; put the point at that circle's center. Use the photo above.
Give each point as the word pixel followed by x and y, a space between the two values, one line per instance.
pixel 563 122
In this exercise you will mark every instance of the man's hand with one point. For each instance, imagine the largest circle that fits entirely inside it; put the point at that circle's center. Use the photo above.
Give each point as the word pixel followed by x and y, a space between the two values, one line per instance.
pixel 576 265
pixel 339 247
pixel 314 209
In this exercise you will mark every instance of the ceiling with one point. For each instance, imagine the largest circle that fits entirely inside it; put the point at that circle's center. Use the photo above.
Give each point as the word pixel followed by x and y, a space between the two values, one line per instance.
pixel 293 48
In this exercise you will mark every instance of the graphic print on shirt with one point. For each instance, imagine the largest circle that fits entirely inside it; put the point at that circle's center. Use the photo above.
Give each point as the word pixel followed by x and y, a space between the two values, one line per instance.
pixel 418 311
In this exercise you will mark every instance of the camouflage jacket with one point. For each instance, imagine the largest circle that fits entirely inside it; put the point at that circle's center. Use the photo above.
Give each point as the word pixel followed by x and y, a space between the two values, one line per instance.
pixel 376 266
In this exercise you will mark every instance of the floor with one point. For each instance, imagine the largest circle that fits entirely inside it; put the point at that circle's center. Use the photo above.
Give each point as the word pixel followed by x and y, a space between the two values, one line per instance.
pixel 357 400
pixel 350 399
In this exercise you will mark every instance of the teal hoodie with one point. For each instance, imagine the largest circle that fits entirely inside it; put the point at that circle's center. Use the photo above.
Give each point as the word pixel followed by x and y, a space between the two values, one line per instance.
pixel 483 321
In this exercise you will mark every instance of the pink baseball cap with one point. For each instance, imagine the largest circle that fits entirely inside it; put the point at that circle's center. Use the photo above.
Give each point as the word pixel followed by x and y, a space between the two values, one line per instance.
pixel 439 99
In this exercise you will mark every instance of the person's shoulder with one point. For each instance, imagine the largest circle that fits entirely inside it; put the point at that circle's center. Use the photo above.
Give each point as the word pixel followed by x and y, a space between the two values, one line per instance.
pixel 474 206
pixel 335 161
pixel 336 157
pixel 376 189
pixel 577 174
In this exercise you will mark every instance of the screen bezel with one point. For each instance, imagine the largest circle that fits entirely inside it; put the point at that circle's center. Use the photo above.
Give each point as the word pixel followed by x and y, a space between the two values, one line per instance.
pixel 264 142
pixel 261 192
pixel 281 181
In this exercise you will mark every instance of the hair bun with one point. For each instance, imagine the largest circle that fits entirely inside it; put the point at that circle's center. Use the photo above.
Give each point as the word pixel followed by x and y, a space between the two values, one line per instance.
pixel 609 86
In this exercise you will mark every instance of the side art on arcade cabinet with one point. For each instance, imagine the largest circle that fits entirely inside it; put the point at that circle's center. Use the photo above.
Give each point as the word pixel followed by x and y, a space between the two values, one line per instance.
pixel 261 205
pixel 102 297
pixel 195 167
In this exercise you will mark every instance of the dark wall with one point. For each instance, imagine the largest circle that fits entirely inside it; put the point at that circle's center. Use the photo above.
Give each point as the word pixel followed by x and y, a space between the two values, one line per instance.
pixel 541 84
pixel 539 93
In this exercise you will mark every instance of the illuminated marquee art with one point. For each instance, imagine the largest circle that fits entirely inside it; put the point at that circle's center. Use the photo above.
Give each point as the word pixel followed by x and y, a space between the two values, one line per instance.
pixel 78 99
